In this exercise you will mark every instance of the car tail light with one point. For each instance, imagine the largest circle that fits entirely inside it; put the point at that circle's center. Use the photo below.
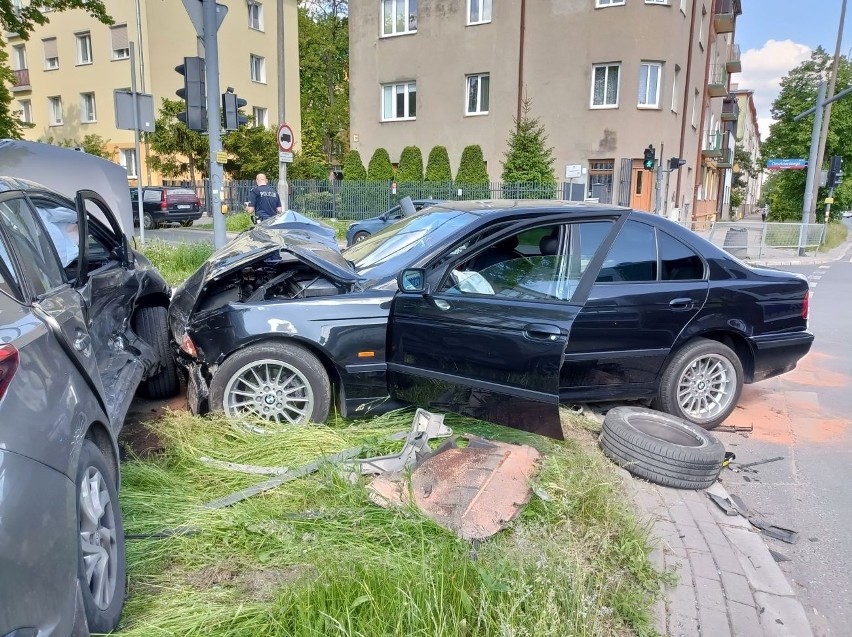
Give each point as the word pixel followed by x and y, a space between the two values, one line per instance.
pixel 188 346
pixel 8 366
pixel 164 205
pixel 806 305
pixel 198 203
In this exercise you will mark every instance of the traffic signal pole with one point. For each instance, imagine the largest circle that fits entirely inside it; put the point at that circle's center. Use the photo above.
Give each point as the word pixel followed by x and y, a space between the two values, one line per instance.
pixel 658 205
pixel 217 176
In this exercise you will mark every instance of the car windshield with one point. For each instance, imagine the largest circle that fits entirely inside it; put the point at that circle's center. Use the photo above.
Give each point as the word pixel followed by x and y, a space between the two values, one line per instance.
pixel 389 251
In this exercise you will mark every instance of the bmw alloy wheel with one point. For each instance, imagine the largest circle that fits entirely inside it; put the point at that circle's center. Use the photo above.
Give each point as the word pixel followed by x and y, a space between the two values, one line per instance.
pixel 706 387
pixel 270 389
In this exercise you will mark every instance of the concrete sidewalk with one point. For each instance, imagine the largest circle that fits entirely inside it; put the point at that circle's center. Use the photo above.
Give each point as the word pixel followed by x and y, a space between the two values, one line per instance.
pixel 727 580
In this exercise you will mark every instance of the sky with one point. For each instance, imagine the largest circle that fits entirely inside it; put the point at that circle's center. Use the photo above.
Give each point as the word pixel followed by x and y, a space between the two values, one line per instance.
pixel 776 35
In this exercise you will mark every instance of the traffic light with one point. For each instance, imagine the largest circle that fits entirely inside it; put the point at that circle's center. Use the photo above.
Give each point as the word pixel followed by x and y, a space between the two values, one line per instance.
pixel 835 174
pixel 676 162
pixel 231 105
pixel 193 93
pixel 650 160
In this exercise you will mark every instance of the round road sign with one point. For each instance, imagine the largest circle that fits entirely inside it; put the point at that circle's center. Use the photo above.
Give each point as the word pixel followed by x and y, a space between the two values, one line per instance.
pixel 286 138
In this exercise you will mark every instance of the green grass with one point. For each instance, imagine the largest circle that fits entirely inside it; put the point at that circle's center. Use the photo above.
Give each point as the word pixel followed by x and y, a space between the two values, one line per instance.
pixel 315 557
pixel 836 234
pixel 176 262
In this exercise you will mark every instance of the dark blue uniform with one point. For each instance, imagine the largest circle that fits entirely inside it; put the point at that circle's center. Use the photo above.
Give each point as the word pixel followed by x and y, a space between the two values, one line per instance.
pixel 265 201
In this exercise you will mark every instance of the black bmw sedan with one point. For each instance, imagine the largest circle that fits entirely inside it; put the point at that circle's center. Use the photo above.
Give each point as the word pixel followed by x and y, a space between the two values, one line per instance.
pixel 498 309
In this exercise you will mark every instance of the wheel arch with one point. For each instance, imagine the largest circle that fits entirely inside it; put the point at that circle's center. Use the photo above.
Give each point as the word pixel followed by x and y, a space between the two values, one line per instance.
pixel 152 299
pixel 736 341
pixel 99 434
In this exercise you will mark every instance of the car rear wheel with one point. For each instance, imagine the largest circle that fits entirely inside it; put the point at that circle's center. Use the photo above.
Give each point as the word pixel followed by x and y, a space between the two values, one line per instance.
pixel 702 383
pixel 187 223
pixel 280 382
pixel 151 324
pixel 149 222
pixel 101 565
pixel 360 236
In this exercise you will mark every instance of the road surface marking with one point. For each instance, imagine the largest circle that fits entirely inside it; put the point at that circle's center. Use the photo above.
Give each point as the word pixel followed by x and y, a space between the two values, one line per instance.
pixel 824 267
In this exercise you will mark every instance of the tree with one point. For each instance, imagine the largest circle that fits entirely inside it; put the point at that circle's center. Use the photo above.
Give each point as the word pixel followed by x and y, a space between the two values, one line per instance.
pixel 789 139
pixel 310 162
pixel 353 167
pixel 528 163
pixel 176 150
pixel 251 150
pixel 380 168
pixel 438 165
pixel 22 18
pixel 744 170
pixel 472 177
pixel 92 144
pixel 410 165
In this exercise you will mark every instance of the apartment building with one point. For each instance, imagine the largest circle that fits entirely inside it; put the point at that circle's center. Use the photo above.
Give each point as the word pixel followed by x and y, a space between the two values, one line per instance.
pixel 68 69
pixel 748 136
pixel 607 78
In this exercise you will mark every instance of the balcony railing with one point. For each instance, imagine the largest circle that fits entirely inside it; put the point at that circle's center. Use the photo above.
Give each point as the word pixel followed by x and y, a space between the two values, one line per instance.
pixel 730 109
pixel 717 81
pixel 712 144
pixel 726 159
pixel 22 80
pixel 734 64
pixel 725 14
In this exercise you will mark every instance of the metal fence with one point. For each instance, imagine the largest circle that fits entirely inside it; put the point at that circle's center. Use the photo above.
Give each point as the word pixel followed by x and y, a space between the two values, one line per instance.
pixel 756 240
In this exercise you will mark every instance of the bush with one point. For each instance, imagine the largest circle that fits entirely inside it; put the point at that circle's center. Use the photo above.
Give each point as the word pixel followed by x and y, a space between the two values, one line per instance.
pixel 438 166
pixel 472 176
pixel 237 222
pixel 317 204
pixel 380 168
pixel 308 165
pixel 353 167
pixel 528 162
pixel 410 165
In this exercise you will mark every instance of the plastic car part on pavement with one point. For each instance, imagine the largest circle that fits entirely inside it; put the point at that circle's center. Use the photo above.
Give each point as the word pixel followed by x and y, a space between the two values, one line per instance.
pixel 661 448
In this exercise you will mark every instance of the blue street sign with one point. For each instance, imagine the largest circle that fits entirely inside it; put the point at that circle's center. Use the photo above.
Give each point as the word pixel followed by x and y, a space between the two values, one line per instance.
pixel 786 164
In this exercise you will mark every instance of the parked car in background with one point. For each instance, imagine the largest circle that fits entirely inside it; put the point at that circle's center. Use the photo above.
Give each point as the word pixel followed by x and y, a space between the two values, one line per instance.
pixel 360 230
pixel 161 205
pixel 82 326
pixel 499 309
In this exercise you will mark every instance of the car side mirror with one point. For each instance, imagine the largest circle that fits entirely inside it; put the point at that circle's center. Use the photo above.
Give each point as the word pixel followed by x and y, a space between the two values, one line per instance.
pixel 412 280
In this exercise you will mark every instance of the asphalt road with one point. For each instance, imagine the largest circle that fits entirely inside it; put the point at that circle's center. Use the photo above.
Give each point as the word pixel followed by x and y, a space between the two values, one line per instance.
pixel 806 417
pixel 176 234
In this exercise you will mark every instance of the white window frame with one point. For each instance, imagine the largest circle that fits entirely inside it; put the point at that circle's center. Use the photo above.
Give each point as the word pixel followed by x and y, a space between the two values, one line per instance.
pixel 83 108
pixel 603 4
pixel 701 27
pixel 656 101
pixel 260 122
pixel 79 40
pixel 19 58
pixel 394 5
pixel 26 108
pixel 683 7
pixel 395 87
pixel 656 1
pixel 129 153
pixel 467 80
pixel 119 54
pixel 50 63
pixel 52 103
pixel 694 110
pixel 607 66
pixel 675 78
pixel 261 74
pixel 258 7
pixel 482 5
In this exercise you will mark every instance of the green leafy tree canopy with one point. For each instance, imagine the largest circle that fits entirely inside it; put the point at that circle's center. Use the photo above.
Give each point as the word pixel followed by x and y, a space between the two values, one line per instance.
pixel 438 166
pixel 410 165
pixel 472 168
pixel 528 159
pixel 353 167
pixel 176 150
pixel 380 168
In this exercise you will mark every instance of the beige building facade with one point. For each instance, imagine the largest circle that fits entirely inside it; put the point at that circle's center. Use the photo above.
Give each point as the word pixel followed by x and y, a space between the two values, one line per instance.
pixel 748 136
pixel 68 69
pixel 607 78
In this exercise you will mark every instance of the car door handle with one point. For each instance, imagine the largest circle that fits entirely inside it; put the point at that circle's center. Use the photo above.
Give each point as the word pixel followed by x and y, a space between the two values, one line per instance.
pixel 682 304
pixel 542 332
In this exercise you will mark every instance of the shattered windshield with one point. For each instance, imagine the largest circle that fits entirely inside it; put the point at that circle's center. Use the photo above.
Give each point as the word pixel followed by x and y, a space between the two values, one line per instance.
pixel 389 251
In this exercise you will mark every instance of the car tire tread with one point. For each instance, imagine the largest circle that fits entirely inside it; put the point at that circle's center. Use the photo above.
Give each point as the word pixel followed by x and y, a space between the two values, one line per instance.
pixel 151 324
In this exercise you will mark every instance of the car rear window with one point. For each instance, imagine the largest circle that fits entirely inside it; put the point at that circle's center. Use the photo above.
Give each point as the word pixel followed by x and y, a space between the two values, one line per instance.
pixel 152 195
pixel 180 192
pixel 677 261
pixel 632 257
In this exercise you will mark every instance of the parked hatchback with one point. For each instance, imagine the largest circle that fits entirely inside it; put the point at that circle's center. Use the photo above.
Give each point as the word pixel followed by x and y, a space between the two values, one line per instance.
pixel 82 325
pixel 162 205
pixel 500 309
pixel 360 230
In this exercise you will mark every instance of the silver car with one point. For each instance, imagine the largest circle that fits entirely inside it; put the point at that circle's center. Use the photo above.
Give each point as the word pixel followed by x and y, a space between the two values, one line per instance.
pixel 82 326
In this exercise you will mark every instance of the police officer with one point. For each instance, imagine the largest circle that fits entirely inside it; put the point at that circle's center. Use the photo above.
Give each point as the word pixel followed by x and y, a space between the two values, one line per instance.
pixel 264 202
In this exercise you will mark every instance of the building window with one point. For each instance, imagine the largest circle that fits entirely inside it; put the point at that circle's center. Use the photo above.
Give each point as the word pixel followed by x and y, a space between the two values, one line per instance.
pixel 261 116
pixel 258 68
pixel 701 28
pixel 399 101
pixel 51 54
pixel 675 82
pixel 19 58
pixel 600 179
pixel 127 157
pixel 656 1
pixel 605 85
pixel 608 3
pixel 683 6
pixel 255 15
pixel 25 108
pixel 398 17
pixel 54 108
pixel 478 11
pixel 88 113
pixel 650 74
pixel 694 110
pixel 84 48
pixel 120 42
pixel 477 94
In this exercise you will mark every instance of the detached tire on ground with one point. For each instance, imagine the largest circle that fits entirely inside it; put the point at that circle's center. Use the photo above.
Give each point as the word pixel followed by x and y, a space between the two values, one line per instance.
pixel 151 325
pixel 661 448
pixel 282 382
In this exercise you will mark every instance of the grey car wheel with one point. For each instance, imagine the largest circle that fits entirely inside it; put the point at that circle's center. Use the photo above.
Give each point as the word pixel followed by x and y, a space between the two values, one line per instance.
pixel 702 383
pixel 101 558
pixel 360 236
pixel 149 222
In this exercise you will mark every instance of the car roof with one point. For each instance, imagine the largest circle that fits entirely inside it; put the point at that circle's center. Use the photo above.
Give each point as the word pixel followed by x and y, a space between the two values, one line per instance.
pixel 529 206
pixel 16 183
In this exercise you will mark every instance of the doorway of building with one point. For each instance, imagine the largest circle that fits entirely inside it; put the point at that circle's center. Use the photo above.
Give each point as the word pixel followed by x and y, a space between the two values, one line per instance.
pixel 641 187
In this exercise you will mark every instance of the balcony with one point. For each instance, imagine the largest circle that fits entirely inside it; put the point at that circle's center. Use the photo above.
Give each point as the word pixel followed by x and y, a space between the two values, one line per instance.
pixel 725 14
pixel 712 144
pixel 734 64
pixel 726 159
pixel 730 109
pixel 717 81
pixel 22 80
